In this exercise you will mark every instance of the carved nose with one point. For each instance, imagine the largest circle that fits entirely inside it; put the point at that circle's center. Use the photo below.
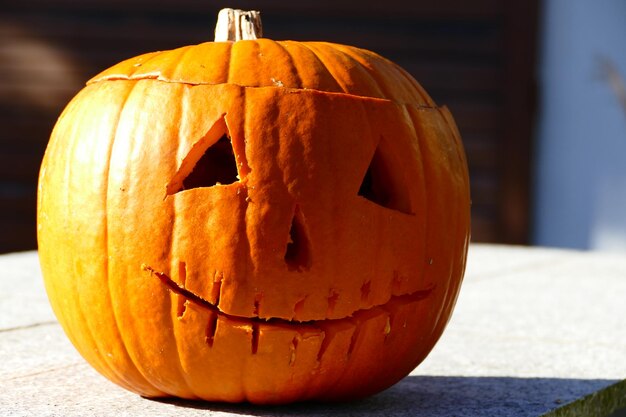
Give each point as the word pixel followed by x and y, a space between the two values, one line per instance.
pixel 298 253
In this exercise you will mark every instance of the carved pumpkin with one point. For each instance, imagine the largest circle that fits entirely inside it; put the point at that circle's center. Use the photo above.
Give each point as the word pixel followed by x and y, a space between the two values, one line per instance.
pixel 254 221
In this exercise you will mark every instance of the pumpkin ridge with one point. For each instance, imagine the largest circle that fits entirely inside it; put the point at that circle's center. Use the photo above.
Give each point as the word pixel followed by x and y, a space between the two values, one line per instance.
pixel 322 72
pixel 352 57
pixel 148 57
pixel 229 64
pixel 105 238
pixel 292 62
pixel 422 93
pixel 426 209
pixel 461 219
pixel 327 67
pixel 182 272
pixel 181 58
pixel 398 70
pixel 179 290
pixel 455 225
pixel 99 360
pixel 377 76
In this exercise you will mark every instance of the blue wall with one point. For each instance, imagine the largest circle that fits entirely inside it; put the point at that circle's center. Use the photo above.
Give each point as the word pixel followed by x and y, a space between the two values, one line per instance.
pixel 580 177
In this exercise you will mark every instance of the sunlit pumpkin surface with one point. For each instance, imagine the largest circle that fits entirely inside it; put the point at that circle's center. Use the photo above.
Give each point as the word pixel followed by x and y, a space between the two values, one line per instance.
pixel 254 221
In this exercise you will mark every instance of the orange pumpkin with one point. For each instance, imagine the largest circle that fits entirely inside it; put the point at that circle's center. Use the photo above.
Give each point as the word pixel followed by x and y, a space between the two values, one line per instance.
pixel 254 221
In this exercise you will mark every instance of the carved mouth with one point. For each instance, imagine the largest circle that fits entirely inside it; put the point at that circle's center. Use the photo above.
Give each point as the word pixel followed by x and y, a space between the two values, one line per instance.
pixel 196 299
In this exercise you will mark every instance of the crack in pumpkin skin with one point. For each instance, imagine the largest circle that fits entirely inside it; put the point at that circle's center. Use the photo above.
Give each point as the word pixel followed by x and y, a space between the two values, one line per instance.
pixel 177 289
pixel 311 66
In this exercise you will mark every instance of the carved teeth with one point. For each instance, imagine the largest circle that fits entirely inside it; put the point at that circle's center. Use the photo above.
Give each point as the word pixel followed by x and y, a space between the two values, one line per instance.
pixel 189 296
pixel 255 338
pixel 211 329
pixel 294 346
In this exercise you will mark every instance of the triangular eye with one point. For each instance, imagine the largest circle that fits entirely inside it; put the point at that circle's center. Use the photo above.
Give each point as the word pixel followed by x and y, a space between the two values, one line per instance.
pixel 217 166
pixel 211 161
pixel 384 184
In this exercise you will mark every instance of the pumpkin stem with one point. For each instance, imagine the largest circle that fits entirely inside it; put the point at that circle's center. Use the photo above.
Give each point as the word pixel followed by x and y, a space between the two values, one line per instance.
pixel 236 25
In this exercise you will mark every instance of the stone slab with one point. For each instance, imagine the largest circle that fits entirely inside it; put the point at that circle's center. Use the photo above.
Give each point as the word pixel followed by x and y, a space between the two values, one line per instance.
pixel 23 301
pixel 535 332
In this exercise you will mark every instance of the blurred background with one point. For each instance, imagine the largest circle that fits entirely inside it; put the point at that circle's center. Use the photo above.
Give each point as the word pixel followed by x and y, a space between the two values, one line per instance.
pixel 536 88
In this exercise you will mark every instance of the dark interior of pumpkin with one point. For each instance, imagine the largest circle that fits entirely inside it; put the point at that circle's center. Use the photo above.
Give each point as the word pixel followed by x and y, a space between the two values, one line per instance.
pixel 216 166
pixel 297 255
pixel 384 183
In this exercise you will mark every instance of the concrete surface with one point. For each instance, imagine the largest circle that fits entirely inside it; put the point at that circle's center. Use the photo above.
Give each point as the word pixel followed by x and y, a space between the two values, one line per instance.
pixel 535 332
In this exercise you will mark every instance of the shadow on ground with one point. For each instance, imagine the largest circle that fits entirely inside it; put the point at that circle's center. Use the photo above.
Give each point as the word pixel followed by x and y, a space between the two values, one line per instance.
pixel 427 396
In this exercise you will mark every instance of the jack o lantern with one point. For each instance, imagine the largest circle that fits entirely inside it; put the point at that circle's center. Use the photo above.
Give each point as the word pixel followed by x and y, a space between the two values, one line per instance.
pixel 254 220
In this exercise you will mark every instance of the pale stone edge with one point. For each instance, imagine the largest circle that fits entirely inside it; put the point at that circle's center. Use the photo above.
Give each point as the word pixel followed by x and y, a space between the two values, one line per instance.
pixel 599 403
